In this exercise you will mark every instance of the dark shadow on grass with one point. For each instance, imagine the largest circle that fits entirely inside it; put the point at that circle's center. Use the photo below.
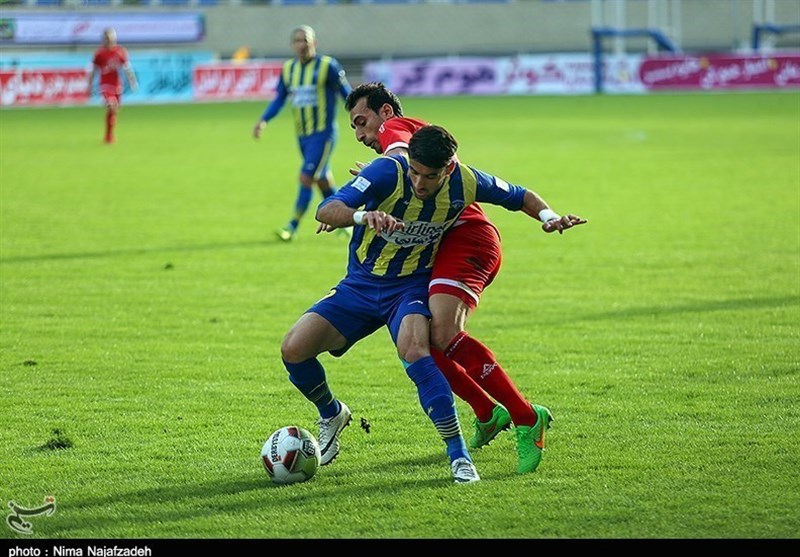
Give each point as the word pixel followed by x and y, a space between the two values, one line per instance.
pixel 697 307
pixel 140 251
pixel 431 459
pixel 187 501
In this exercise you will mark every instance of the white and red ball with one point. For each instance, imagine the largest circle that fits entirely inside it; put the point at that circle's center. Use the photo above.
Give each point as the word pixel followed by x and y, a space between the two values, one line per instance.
pixel 290 455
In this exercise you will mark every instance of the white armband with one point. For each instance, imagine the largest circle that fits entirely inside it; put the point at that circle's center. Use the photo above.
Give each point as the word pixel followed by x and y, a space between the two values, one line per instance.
pixel 358 217
pixel 546 215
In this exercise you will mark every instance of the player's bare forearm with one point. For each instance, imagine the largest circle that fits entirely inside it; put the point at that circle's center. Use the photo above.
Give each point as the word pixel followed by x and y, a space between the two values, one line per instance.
pixel 133 82
pixel 533 204
pixel 336 214
pixel 536 207
pixel 90 82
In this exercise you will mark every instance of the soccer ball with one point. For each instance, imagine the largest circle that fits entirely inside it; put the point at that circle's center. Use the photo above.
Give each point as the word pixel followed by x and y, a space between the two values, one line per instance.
pixel 290 455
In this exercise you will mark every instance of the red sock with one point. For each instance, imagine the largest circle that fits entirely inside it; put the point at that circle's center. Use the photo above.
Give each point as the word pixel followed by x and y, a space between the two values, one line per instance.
pixel 482 366
pixel 111 119
pixel 464 386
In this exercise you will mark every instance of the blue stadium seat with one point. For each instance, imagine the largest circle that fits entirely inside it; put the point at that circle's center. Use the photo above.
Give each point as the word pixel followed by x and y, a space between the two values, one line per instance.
pixel 48 2
pixel 174 2
pixel 96 2
pixel 207 2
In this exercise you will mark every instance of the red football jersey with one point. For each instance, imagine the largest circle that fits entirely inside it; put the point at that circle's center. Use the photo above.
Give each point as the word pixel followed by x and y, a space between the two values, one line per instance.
pixel 397 132
pixel 109 62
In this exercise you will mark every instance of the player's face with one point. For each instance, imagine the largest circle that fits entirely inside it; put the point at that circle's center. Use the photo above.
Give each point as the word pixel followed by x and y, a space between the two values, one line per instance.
pixel 109 38
pixel 365 123
pixel 425 180
pixel 303 45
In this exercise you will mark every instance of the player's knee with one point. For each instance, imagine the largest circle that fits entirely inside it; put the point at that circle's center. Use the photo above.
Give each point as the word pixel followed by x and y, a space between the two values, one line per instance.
pixel 443 334
pixel 292 348
pixel 412 353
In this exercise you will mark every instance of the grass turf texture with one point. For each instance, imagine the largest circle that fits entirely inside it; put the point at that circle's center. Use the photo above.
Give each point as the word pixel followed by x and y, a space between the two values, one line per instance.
pixel 144 297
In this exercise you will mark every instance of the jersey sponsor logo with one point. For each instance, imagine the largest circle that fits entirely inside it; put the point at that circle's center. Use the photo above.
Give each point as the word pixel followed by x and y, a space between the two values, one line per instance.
pixel 305 95
pixel 361 184
pixel 382 129
pixel 416 233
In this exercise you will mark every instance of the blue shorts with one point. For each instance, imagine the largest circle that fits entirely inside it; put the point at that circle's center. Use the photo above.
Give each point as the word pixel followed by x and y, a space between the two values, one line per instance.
pixel 316 149
pixel 357 308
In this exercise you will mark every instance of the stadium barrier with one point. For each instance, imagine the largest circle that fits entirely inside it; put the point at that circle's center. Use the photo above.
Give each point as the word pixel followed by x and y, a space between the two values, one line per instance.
pixel 185 77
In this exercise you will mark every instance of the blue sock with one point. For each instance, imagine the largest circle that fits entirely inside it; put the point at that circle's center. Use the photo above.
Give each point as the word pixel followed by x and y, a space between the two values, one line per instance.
pixel 437 402
pixel 309 378
pixel 301 205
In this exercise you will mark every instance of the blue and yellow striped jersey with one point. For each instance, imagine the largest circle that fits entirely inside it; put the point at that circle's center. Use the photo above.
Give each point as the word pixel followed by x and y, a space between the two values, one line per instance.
pixel 384 186
pixel 312 88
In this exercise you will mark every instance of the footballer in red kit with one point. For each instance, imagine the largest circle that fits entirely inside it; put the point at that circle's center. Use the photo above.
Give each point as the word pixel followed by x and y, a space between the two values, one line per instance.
pixel 109 60
pixel 467 261
pixel 469 256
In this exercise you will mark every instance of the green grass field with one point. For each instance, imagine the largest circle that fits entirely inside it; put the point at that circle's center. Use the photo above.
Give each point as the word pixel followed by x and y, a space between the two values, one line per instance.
pixel 143 299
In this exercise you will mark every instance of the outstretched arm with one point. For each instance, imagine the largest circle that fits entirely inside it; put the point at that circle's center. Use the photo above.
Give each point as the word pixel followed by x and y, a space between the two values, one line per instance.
pixel 534 206
pixel 516 198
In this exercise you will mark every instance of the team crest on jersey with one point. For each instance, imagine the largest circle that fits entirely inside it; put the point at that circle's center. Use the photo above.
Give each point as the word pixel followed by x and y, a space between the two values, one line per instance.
pixel 457 204
pixel 416 233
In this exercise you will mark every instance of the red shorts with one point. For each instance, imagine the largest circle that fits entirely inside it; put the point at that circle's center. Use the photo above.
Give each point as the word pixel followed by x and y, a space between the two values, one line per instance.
pixel 110 95
pixel 468 259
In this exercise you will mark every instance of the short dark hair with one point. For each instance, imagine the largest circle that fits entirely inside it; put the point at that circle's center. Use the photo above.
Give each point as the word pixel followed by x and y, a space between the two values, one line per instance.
pixel 377 95
pixel 432 146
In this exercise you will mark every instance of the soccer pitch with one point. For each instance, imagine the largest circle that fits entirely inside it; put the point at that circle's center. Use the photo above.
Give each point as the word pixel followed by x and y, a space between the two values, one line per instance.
pixel 144 296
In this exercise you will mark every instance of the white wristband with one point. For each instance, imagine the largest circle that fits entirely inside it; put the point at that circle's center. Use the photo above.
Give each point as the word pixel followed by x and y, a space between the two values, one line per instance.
pixel 358 217
pixel 546 215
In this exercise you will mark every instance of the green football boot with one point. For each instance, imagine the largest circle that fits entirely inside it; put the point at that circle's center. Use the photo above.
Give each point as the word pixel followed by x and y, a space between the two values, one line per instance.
pixel 486 431
pixel 530 440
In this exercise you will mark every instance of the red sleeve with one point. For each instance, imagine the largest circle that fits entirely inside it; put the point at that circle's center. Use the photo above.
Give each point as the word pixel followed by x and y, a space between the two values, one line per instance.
pixel 397 132
pixel 123 55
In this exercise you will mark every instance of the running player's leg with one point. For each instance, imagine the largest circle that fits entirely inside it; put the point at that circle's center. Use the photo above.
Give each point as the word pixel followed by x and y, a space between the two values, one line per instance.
pixel 332 325
pixel 466 264
pixel 111 100
pixel 311 148
pixel 323 176
pixel 409 326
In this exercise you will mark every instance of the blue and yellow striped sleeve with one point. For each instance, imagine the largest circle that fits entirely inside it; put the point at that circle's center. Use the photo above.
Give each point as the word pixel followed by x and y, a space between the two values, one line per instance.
pixel 496 191
pixel 376 182
pixel 281 94
pixel 336 75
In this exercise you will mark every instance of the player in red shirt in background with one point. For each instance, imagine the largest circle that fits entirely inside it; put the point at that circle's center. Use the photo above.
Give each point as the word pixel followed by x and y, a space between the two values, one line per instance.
pixel 108 61
pixel 467 261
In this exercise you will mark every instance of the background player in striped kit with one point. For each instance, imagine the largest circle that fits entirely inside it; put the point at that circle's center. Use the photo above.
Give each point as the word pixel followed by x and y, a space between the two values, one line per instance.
pixel 312 82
